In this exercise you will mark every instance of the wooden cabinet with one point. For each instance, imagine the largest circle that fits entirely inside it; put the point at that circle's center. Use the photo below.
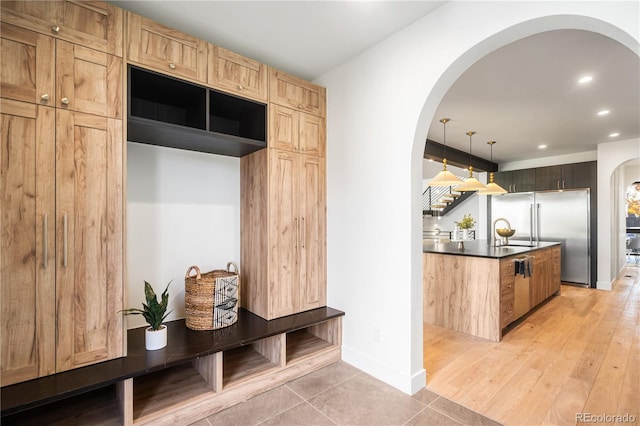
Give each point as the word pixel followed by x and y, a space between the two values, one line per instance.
pixel 89 241
pixel 237 74
pixel 566 176
pixel 95 25
pixel 553 284
pixel 297 131
pixel 283 248
pixel 516 180
pixel 545 276
pixel 62 180
pixel 27 197
pixel 507 292
pixel 296 93
pixel 166 50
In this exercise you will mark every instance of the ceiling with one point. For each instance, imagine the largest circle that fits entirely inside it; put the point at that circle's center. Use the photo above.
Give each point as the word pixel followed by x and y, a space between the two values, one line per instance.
pixel 522 95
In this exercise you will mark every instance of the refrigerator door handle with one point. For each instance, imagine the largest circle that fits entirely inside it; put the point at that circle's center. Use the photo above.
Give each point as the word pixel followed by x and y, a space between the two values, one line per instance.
pixel 530 223
pixel 538 222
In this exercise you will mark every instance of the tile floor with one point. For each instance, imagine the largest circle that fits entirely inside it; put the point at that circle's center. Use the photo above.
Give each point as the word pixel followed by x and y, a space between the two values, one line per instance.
pixel 343 395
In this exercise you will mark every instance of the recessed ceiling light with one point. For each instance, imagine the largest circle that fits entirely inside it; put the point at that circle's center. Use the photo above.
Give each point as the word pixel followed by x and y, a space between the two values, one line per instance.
pixel 585 79
pixel 543 146
pixel 604 112
pixel 614 135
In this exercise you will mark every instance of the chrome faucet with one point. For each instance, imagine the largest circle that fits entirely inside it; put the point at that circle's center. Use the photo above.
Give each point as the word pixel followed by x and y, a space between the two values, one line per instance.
pixel 493 234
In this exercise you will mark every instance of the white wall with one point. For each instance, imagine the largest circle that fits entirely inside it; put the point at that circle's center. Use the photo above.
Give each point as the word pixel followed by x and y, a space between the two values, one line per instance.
pixel 183 209
pixel 380 105
pixel 611 188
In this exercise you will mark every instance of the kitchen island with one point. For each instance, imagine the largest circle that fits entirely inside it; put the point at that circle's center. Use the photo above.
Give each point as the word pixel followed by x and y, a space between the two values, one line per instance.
pixel 481 289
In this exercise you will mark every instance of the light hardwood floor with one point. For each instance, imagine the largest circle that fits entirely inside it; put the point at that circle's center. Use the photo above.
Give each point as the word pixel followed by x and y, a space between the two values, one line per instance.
pixel 578 353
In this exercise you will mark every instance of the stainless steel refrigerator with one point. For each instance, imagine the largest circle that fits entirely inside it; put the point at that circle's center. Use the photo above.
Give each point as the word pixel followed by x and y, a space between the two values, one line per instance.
pixel 552 216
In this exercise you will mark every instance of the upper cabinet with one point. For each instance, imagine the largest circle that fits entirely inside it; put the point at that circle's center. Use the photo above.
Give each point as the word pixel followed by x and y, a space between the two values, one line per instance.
pixel 517 180
pixel 293 130
pixel 566 176
pixel 96 25
pixel 237 74
pixel 296 93
pixel 166 50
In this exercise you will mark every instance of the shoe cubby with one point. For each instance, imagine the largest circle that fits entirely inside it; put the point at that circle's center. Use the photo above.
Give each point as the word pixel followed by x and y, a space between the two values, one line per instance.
pixel 243 363
pixel 313 340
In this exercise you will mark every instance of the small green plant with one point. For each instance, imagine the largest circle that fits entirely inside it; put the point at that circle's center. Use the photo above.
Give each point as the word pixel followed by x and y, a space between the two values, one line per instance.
pixel 152 311
pixel 467 222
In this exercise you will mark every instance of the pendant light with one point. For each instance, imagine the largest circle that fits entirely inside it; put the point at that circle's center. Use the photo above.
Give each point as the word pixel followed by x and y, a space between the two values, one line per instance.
pixel 470 183
pixel 445 177
pixel 492 187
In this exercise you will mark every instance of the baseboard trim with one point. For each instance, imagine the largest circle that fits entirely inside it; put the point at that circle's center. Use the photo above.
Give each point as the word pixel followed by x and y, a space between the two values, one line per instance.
pixel 409 384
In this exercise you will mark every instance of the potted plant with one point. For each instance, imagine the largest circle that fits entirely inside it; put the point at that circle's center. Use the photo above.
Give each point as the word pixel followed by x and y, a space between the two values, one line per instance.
pixel 467 222
pixel 154 312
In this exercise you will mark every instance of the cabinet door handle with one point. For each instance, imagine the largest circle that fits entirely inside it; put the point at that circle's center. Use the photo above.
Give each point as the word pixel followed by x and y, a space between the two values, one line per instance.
pixel 65 101
pixel 240 87
pixel 64 244
pixel 297 231
pixel 172 66
pixel 514 187
pixel 509 286
pixel 562 184
pixel 304 234
pixel 55 29
pixel 300 106
pixel 45 241
pixel 45 97
pixel 509 312
pixel 557 184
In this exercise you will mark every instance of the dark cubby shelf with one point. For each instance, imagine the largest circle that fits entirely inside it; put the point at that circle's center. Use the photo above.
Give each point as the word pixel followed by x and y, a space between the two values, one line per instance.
pixel 169 112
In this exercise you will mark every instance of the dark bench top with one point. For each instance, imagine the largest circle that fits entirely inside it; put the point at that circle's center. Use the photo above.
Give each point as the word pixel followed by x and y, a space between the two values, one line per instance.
pixel 183 345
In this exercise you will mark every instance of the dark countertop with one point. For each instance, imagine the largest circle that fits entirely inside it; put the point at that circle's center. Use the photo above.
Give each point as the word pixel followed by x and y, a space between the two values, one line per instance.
pixel 482 248
pixel 183 345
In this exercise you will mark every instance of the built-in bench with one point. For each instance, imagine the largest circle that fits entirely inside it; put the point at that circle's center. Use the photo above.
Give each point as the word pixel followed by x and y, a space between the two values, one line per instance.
pixel 197 374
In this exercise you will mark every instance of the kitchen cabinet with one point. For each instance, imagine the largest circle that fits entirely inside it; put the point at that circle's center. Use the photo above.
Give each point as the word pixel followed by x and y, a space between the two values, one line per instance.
pixel 62 204
pixel 516 180
pixel 237 74
pixel 166 50
pixel 507 292
pixel 566 176
pixel 96 25
pixel 283 248
pixel 296 93
pixel 296 131
pixel 545 276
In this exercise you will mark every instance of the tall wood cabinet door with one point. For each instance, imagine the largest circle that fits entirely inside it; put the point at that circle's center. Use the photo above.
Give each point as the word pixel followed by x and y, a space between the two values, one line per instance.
pixel 28 236
pixel 312 286
pixel 88 80
pixel 294 92
pixel 27 61
pixel 312 134
pixel 89 209
pixel 167 50
pixel 94 24
pixel 237 74
pixel 283 128
pixel 553 285
pixel 284 233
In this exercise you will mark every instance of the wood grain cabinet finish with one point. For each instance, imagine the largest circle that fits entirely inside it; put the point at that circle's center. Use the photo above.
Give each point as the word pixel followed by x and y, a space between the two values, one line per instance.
pixel 237 74
pixel 283 248
pixel 566 176
pixel 62 201
pixel 166 50
pixel 296 131
pixel 507 291
pixel 93 24
pixel 296 93
pixel 27 200
pixel 517 180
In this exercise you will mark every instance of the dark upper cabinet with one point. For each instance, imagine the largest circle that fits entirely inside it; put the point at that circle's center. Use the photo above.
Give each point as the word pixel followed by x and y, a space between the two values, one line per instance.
pixel 517 180
pixel 566 176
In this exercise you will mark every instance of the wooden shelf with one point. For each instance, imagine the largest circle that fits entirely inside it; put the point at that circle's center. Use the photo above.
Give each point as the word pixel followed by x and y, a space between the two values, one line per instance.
pixel 243 363
pixel 96 407
pixel 302 344
pixel 157 393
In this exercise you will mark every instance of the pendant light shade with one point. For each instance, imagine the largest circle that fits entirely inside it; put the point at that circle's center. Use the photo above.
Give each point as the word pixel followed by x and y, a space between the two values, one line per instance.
pixel 492 187
pixel 471 183
pixel 445 177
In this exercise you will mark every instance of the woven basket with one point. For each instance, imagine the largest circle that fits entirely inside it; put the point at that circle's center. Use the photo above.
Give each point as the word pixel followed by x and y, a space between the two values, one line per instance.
pixel 211 299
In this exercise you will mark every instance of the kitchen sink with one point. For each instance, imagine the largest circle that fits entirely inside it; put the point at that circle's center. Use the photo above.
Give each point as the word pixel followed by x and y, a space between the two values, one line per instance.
pixel 521 245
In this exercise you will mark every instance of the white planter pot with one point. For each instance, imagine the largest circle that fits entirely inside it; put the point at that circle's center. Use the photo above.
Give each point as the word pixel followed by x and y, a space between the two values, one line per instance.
pixel 465 234
pixel 155 339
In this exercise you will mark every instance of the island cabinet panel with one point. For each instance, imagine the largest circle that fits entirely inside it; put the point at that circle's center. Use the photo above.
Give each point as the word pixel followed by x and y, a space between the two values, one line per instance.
pixel 462 293
pixel 165 49
pixel 96 25
pixel 507 292
pixel 540 276
pixel 237 74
